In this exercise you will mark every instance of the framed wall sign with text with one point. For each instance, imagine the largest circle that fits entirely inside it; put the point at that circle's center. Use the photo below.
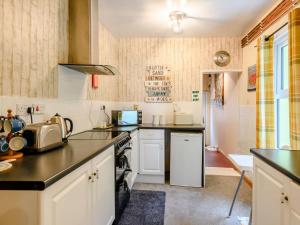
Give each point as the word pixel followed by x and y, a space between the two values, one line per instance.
pixel 158 84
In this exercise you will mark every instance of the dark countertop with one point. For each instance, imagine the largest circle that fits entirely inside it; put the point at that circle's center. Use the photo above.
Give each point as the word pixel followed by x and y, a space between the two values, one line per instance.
pixel 194 127
pixel 285 161
pixel 39 171
pixel 121 129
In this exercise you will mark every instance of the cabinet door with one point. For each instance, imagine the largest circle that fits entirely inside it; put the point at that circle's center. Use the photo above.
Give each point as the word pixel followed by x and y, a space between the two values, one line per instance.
pixel 152 157
pixel 104 188
pixel 68 202
pixel 134 156
pixel 268 192
pixel 294 206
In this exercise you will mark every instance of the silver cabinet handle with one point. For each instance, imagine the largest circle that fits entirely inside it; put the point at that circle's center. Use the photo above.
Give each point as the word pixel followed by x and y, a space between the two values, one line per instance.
pixel 284 198
pixel 97 174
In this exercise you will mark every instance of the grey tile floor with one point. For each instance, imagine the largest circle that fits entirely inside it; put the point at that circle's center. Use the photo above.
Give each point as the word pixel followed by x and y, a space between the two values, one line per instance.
pixel 203 206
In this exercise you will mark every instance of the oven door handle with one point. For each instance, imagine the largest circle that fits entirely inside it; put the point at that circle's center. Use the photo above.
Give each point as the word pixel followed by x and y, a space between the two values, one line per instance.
pixel 123 151
pixel 127 162
pixel 127 149
pixel 126 186
pixel 123 184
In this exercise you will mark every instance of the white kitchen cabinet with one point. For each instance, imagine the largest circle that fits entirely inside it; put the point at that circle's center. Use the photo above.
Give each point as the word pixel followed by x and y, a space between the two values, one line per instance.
pixel 68 202
pixel 268 191
pixel 103 199
pixel 84 196
pixel 152 156
pixel 134 156
pixel 275 197
pixel 294 203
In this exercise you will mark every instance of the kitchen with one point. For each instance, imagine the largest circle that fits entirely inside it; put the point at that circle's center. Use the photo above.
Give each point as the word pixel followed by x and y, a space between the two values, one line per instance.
pixel 89 64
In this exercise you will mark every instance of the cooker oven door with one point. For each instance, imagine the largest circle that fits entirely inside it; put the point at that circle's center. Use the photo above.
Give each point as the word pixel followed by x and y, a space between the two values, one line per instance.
pixel 123 165
pixel 122 197
pixel 129 175
pixel 123 172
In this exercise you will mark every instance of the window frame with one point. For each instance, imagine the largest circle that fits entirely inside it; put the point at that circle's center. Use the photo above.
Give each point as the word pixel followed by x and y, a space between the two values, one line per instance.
pixel 280 41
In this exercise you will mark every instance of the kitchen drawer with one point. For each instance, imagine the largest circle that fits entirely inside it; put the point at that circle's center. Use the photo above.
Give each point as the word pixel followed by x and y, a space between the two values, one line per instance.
pixel 152 134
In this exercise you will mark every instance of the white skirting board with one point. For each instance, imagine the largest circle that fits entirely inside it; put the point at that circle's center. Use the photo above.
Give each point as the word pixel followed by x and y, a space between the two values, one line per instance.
pixel 152 179
pixel 221 171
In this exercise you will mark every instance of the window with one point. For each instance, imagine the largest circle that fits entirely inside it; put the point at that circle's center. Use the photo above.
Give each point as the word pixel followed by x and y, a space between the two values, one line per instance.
pixel 281 75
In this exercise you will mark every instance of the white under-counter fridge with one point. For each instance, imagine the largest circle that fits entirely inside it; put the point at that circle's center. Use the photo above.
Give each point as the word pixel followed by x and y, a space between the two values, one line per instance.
pixel 186 162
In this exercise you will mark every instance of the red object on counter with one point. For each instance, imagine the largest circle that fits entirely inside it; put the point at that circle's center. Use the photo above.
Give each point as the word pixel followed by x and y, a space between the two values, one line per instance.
pixel 94 81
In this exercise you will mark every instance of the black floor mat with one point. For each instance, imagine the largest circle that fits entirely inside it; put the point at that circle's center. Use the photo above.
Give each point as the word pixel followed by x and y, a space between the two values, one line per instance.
pixel 144 208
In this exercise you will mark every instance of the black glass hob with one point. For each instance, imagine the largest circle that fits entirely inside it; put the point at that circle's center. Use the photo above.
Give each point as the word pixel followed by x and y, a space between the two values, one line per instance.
pixel 95 135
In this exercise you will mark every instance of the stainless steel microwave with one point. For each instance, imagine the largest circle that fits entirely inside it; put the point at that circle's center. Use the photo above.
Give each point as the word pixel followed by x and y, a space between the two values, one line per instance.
pixel 126 117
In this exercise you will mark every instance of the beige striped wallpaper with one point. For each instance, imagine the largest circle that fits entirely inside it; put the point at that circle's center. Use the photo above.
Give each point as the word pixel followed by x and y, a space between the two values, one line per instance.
pixel 108 55
pixel 33 39
pixel 185 56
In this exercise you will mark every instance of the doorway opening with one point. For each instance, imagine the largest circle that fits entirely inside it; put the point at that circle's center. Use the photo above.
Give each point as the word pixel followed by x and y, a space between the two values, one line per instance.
pixel 220 110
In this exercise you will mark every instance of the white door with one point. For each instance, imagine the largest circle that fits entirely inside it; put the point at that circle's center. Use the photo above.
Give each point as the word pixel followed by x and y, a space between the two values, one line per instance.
pixel 104 188
pixel 134 156
pixel 269 207
pixel 68 202
pixel 152 158
pixel 294 204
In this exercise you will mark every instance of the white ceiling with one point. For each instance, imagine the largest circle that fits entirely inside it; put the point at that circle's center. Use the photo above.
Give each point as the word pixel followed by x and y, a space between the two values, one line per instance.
pixel 208 17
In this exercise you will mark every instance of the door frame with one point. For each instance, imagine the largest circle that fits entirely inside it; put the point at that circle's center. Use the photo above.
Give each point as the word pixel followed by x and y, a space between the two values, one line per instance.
pixel 211 71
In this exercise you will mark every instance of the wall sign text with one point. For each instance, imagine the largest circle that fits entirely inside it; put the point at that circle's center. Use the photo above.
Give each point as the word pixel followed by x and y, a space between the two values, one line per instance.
pixel 158 84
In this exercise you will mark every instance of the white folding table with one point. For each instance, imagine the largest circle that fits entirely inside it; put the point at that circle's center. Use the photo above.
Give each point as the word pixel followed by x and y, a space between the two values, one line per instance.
pixel 245 164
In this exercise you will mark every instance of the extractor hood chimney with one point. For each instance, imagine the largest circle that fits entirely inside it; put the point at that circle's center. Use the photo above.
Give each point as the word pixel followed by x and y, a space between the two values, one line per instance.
pixel 84 39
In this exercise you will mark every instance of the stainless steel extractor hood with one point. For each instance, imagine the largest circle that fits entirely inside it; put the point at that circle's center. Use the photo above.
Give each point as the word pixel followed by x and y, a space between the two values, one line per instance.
pixel 84 39
pixel 93 69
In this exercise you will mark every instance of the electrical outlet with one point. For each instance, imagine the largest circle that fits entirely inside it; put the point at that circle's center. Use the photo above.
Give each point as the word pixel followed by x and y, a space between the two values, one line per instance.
pixel 21 109
pixel 102 107
pixel 39 108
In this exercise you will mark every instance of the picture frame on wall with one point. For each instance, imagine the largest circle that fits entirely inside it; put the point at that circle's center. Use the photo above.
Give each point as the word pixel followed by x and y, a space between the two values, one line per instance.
pixel 251 78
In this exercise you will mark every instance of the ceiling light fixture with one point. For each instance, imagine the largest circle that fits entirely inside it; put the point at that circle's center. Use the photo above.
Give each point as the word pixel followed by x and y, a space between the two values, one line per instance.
pixel 176 18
